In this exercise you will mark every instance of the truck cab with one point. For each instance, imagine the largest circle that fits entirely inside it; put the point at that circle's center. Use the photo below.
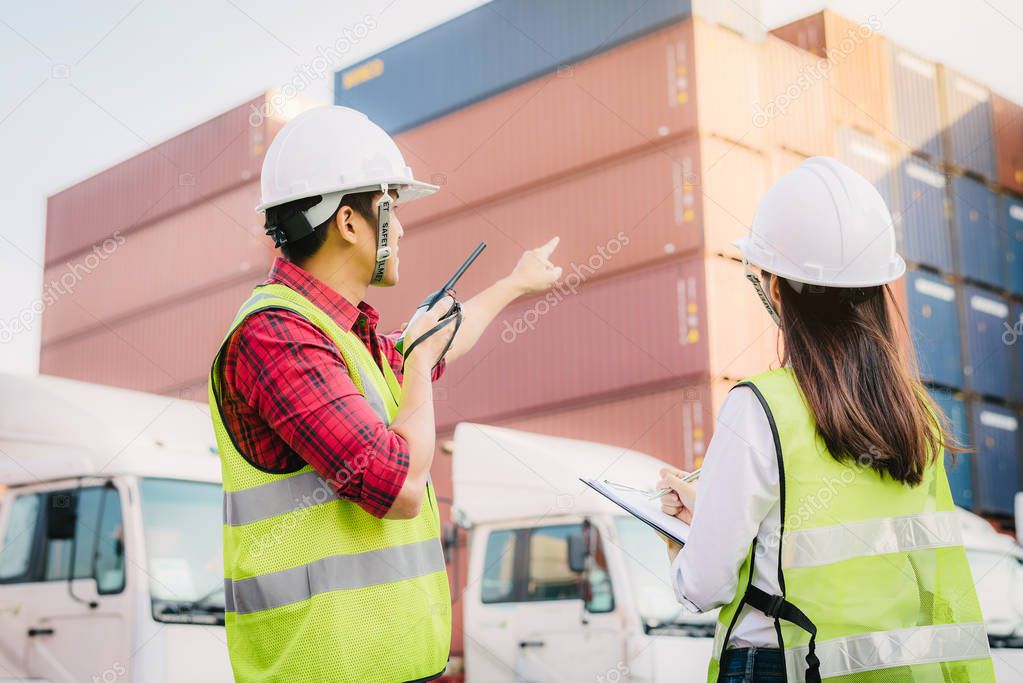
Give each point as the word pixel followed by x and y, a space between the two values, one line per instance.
pixel 563 586
pixel 110 536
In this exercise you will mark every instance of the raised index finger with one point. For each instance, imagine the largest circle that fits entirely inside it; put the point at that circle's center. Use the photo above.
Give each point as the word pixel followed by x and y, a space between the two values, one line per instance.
pixel 548 249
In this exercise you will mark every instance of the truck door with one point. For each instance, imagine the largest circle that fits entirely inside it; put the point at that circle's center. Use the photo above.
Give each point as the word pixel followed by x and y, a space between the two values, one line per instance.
pixel 531 623
pixel 73 608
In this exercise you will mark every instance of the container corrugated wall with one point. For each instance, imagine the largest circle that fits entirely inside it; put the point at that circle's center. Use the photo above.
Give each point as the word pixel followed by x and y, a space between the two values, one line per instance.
pixel 654 205
pixel 966 109
pixel 200 163
pixel 857 72
pixel 922 217
pixel 642 93
pixel 489 49
pixel 200 247
pixel 1014 339
pixel 1008 125
pixel 872 159
pixel 797 119
pixel 915 105
pixel 933 315
pixel 997 440
pixel 160 351
pixel 674 425
pixel 653 326
pixel 1011 216
pixel 960 475
pixel 981 247
pixel 989 367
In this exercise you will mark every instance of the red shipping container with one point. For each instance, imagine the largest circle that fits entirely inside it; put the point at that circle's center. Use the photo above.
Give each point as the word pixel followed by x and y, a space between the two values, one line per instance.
pixel 854 66
pixel 641 330
pixel 691 75
pixel 159 351
pixel 202 162
pixel 203 246
pixel 1008 121
pixel 676 198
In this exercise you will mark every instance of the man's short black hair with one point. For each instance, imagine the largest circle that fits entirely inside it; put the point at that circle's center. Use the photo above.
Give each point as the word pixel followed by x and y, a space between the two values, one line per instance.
pixel 299 251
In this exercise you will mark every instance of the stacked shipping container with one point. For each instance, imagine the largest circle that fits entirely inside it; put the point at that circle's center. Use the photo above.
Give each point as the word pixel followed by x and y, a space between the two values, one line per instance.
pixel 948 156
pixel 146 262
pixel 644 138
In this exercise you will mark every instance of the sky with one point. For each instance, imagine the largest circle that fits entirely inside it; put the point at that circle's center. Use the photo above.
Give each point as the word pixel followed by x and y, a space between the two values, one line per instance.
pixel 87 85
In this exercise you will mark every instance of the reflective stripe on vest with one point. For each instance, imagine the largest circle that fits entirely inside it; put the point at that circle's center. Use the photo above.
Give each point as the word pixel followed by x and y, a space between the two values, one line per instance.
pixel 339 572
pixel 838 542
pixel 286 494
pixel 884 649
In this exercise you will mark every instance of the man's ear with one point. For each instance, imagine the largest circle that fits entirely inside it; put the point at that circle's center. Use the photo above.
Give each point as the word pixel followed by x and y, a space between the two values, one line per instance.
pixel 343 221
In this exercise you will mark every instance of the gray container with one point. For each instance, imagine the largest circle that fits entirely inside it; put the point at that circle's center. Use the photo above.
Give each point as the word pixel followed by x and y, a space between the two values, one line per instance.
pixel 933 311
pixel 922 218
pixel 915 104
pixel 981 247
pixel 967 120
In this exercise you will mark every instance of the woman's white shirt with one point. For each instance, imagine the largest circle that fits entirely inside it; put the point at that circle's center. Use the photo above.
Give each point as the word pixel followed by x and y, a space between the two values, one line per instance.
pixel 738 501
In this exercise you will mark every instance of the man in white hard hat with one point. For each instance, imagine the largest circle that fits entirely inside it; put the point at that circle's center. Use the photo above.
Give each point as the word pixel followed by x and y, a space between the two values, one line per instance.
pixel 333 562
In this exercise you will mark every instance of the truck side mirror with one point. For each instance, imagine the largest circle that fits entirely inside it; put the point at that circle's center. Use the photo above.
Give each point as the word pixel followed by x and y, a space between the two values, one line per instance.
pixel 578 551
pixel 61 516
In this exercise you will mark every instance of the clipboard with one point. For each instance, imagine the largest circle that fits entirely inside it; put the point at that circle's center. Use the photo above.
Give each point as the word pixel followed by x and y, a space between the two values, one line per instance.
pixel 641 507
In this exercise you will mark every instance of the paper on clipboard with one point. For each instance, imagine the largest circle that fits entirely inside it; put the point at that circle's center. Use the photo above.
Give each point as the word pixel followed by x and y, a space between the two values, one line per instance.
pixel 639 505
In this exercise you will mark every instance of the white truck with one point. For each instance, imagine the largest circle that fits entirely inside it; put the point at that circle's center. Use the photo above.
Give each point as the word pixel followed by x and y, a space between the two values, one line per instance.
pixel 562 586
pixel 111 570
pixel 110 563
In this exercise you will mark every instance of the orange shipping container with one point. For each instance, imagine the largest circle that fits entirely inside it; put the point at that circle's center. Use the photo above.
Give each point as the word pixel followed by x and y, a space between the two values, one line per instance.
pixel 794 106
pixel 854 66
pixel 679 197
pixel 690 76
pixel 200 163
pixel 203 246
pixel 1008 121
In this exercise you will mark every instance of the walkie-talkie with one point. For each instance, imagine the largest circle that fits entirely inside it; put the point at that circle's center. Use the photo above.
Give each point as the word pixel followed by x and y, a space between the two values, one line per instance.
pixel 430 301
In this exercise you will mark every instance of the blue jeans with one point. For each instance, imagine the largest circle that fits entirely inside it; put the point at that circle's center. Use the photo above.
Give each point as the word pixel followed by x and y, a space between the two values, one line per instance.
pixel 752 665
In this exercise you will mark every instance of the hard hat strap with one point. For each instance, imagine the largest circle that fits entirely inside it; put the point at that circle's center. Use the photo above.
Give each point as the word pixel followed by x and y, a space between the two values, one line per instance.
pixel 383 235
pixel 764 298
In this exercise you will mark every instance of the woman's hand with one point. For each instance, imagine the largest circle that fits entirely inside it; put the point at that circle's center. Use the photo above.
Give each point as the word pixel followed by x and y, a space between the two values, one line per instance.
pixel 680 502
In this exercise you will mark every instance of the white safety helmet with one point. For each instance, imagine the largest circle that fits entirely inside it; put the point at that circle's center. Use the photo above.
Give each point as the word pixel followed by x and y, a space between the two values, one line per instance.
pixel 333 151
pixel 822 224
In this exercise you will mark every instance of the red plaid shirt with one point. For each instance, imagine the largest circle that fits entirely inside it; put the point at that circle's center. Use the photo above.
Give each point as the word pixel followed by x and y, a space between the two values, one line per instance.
pixel 288 399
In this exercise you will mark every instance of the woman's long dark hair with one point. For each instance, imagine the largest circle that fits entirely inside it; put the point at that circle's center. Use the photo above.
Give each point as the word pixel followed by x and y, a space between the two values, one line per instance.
pixel 865 394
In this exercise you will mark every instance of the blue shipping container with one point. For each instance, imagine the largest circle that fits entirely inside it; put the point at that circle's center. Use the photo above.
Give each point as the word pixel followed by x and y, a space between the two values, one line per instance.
pixel 915 102
pixel 969 127
pixel 996 431
pixel 960 478
pixel 922 219
pixel 989 361
pixel 1011 213
pixel 1014 338
pixel 981 248
pixel 490 49
pixel 933 314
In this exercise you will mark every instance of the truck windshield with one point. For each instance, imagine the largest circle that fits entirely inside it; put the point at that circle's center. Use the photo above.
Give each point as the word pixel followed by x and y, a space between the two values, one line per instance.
pixel 650 579
pixel 182 522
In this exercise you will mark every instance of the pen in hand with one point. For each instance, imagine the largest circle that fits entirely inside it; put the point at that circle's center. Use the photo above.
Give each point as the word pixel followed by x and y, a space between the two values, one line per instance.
pixel 692 476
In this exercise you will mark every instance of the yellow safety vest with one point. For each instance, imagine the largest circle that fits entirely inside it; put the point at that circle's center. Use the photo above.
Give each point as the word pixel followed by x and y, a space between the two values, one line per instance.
pixel 875 569
pixel 316 588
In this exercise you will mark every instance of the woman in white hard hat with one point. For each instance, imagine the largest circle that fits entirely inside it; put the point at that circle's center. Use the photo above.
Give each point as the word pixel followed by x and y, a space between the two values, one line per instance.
pixel 822 524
